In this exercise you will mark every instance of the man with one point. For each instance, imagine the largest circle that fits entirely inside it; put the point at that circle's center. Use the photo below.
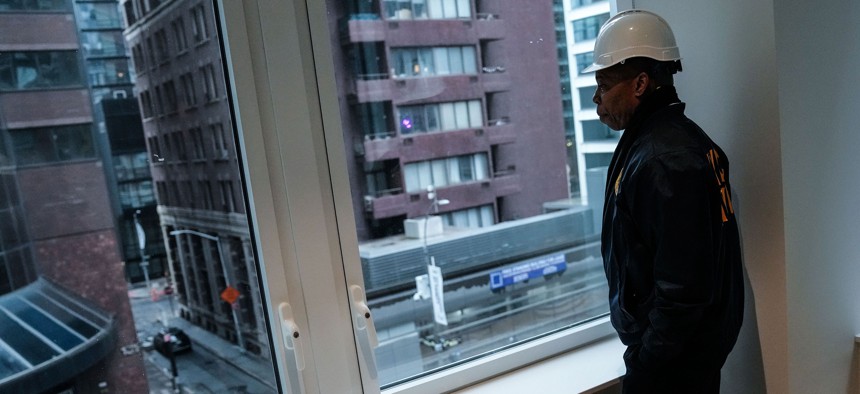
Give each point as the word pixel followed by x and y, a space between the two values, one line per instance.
pixel 670 241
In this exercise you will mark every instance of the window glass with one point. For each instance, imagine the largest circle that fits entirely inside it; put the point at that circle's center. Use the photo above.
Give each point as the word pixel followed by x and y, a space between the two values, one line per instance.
pixel 507 190
pixel 33 5
pixel 126 259
pixel 38 69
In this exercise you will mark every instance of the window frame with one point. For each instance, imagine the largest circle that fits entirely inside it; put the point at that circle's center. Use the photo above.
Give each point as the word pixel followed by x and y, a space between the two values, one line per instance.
pixel 305 218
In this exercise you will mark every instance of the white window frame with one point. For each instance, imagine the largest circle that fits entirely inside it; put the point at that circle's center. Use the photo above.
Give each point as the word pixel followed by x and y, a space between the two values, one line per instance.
pixel 301 207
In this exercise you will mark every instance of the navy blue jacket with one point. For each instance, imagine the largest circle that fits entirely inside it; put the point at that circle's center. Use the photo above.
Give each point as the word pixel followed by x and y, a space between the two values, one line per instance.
pixel 670 241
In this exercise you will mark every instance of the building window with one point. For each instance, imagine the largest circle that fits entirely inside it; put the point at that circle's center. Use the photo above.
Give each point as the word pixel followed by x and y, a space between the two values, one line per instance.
pixel 179 35
pixel 584 60
pixel 219 140
pixel 170 100
pixel 33 5
pixel 187 81
pixel 95 15
pixel 108 72
pixel 181 152
pixel 228 204
pixel 137 56
pixel 586 97
pixel 587 28
pixel 161 46
pixel 146 104
pixel 136 194
pixel 445 172
pixel 198 24
pixel 440 117
pixel 210 84
pixel 53 144
pixel 427 9
pixel 130 13
pixel 158 103
pixel 430 61
pixel 197 139
pixel 36 70
pixel 476 217
pixel 152 52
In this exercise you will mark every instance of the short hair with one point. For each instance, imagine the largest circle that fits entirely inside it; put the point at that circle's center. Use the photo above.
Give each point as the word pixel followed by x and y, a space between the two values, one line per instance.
pixel 659 71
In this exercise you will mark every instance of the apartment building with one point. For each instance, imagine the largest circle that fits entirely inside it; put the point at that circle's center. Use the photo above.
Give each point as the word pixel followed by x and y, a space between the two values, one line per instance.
pixel 189 135
pixel 445 94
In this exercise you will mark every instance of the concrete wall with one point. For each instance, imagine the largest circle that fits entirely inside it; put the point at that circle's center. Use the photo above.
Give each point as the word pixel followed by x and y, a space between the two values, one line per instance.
pixel 773 82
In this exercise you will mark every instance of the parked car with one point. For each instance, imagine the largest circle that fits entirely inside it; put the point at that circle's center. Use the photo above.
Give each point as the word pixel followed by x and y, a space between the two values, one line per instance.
pixel 172 336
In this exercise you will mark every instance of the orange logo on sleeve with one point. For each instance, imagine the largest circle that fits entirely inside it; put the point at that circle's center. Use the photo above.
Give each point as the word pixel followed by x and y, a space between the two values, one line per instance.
pixel 720 175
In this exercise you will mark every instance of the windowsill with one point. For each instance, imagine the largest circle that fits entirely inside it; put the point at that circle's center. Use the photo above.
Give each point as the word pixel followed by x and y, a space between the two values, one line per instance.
pixel 594 362
pixel 586 369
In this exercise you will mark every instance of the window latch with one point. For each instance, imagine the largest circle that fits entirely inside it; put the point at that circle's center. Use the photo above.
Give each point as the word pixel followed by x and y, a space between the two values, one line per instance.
pixel 295 358
pixel 365 331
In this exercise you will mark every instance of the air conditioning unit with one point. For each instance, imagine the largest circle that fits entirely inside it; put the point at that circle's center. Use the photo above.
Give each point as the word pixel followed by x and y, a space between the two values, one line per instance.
pixel 414 228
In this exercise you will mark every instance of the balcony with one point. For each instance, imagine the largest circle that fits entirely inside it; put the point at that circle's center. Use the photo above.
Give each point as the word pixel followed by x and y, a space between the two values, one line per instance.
pixel 427 146
pixel 462 196
pixel 489 26
pixel 379 87
pixel 501 131
pixel 362 28
pixel 495 79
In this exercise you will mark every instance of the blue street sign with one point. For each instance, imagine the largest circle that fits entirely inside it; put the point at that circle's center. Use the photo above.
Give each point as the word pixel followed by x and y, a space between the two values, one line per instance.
pixel 527 270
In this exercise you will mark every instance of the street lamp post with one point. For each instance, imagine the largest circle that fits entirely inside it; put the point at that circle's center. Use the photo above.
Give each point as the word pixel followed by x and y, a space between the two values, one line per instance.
pixel 217 240
pixel 434 273
pixel 141 240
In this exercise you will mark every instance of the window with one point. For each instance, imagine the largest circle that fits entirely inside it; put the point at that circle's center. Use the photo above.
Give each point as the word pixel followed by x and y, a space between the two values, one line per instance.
pixel 98 15
pixel 171 103
pixel 422 62
pixel 208 77
pixel 198 24
pixel 187 81
pixel 584 60
pixel 586 97
pixel 470 218
pixel 33 5
pixel 587 28
pixel 102 44
pixel 53 144
pixel 161 46
pixel 219 141
pixel 178 27
pixel 445 172
pixel 427 9
pixel 108 72
pixel 36 70
pixel 441 117
pixel 492 187
pixel 197 138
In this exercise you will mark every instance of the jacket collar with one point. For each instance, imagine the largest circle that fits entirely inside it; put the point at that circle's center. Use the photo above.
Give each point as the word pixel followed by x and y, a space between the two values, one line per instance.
pixel 661 97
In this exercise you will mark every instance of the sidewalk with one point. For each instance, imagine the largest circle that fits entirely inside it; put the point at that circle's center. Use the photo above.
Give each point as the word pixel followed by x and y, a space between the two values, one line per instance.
pixel 230 353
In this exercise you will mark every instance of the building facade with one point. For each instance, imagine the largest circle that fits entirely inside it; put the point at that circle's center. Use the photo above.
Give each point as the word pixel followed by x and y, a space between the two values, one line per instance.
pixel 444 94
pixel 593 140
pixel 120 136
pixel 187 125
pixel 62 273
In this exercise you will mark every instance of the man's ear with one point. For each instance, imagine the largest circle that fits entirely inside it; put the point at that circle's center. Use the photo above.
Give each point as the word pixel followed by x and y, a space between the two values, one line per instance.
pixel 640 84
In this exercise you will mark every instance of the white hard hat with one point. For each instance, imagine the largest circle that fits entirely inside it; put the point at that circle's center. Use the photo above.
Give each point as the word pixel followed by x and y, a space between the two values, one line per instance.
pixel 633 33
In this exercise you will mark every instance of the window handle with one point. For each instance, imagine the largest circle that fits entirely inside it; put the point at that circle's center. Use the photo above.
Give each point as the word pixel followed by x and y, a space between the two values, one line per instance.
pixel 293 348
pixel 365 330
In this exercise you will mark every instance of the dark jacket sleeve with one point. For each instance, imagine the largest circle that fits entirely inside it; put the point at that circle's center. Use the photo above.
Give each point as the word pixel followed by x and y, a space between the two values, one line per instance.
pixel 673 214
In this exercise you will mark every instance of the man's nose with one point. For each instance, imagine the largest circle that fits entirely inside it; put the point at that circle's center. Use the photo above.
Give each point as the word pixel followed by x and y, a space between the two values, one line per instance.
pixel 596 97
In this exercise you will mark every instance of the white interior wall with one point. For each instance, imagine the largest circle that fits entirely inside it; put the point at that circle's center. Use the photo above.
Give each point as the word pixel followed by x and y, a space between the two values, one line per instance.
pixel 775 83
pixel 819 91
pixel 731 90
